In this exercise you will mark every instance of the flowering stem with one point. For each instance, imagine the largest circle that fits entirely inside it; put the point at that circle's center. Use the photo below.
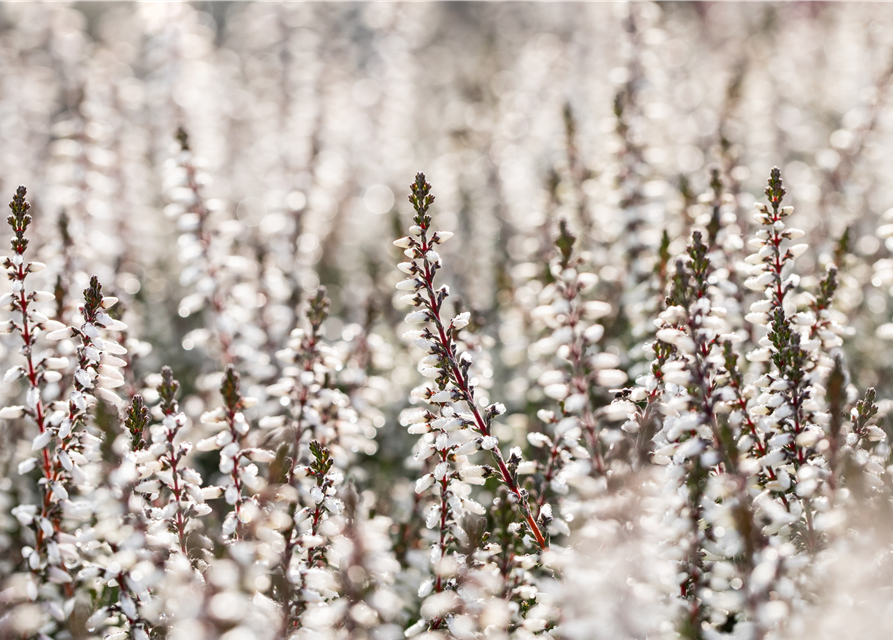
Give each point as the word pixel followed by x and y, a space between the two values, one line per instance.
pixel 435 306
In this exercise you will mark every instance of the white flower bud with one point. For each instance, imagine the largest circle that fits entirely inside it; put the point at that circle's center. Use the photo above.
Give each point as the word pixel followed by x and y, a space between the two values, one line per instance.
pixel 55 363
pixel 596 309
pixel 757 318
pixel 594 333
pixel 59 334
pixel 41 440
pixel 424 482
pixel 110 323
pixel 469 447
pixel 416 317
pixel 59 491
pixel 211 493
pixel 425 452
pixel 109 396
pixel 114 348
pixel 103 382
pixel 261 455
pixel 461 321
pixel 442 396
pixel 27 465
pixel 410 284
pixel 759 355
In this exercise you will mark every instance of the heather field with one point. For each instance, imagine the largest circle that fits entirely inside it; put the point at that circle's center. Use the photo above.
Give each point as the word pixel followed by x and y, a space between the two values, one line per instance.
pixel 342 321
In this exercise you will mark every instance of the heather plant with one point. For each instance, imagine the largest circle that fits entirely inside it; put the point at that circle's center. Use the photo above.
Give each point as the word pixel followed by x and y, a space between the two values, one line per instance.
pixel 621 409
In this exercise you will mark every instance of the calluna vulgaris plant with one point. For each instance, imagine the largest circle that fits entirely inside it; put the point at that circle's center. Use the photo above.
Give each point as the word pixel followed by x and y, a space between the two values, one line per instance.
pixel 765 451
pixel 573 400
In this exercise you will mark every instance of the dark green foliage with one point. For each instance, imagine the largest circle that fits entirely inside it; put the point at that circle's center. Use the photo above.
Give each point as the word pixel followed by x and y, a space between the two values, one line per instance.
pixel 229 389
pixel 19 220
pixel 136 419
pixel 167 391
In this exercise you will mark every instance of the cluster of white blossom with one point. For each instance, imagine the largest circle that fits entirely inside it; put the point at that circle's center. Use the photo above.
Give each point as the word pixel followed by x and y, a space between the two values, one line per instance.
pixel 642 412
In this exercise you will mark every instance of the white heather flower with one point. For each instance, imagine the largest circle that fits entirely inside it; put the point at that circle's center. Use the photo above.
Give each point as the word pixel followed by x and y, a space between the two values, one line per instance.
pixel 59 334
pixel 410 284
pixel 11 413
pixel 59 491
pixel 611 378
pixel 424 483
pixel 594 333
pixel 469 447
pixel 41 440
pixel 669 335
pixel 425 452
pixel 442 396
pixel 51 325
pixel 474 471
pixel 417 317
pixel 26 465
pixel 759 355
pixel 104 382
pixel 757 318
pixel 489 442
pixel 109 396
pixel 798 250
pixel 461 321
pixel 556 391
pixel 595 309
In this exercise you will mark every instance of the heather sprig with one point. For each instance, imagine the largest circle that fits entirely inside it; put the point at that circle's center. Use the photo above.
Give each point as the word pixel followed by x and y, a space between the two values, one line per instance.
pixel 790 422
pixel 447 432
pixel 309 578
pixel 443 362
pixel 200 253
pixel 575 374
pixel 126 565
pixel 71 448
pixel 367 567
pixel 321 434
pixel 318 408
pixel 236 462
pixel 183 498
pixel 575 368
pixel 64 447
pixel 44 558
